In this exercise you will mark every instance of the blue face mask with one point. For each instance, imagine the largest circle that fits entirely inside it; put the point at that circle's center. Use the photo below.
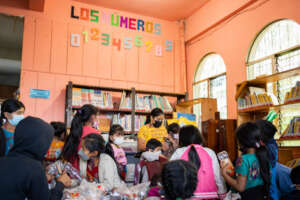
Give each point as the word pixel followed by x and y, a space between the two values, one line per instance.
pixel 83 155
pixel 16 119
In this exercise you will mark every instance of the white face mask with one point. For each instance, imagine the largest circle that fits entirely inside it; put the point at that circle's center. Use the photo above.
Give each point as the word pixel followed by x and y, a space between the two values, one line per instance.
pixel 176 136
pixel 119 140
pixel 151 156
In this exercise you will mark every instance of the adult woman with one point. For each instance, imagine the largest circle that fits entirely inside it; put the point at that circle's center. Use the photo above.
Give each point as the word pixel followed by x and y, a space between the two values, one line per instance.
pixel 81 126
pixel 96 165
pixel 153 130
pixel 12 112
pixel 211 184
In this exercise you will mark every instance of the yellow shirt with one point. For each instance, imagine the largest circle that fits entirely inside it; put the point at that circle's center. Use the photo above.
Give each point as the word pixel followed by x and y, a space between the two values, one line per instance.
pixel 148 133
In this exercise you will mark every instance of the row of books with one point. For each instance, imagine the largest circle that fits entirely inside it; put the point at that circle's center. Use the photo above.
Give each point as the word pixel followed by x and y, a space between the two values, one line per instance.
pixel 293 94
pixel 145 103
pixel 125 121
pixel 293 129
pixel 252 101
pixel 101 99
pixel 98 98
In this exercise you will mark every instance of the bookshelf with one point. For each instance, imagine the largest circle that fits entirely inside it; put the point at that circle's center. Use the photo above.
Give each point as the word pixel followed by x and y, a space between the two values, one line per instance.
pixel 114 108
pixel 260 110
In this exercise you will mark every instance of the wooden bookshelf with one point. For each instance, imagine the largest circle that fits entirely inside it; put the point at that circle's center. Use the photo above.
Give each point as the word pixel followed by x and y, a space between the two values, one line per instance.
pixel 259 112
pixel 133 112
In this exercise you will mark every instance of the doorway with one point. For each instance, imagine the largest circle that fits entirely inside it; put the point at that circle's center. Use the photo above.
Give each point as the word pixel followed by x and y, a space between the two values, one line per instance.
pixel 11 41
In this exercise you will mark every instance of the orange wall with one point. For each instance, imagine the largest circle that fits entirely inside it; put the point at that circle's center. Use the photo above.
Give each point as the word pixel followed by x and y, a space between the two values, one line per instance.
pixel 231 39
pixel 49 62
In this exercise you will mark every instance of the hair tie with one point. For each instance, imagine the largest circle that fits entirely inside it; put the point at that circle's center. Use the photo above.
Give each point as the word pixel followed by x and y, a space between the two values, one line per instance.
pixel 79 111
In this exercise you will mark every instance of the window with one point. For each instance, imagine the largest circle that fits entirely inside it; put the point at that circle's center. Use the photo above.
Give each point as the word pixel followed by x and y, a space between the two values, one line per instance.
pixel 265 58
pixel 210 81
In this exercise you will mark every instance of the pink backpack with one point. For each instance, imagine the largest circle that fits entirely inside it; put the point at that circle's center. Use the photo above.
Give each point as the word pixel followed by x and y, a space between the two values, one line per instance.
pixel 206 187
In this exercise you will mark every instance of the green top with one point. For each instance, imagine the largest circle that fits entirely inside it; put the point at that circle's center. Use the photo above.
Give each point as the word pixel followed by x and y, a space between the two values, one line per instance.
pixel 248 165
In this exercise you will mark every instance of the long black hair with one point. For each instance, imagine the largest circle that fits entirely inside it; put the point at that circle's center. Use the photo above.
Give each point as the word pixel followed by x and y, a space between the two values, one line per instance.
pixel 83 115
pixel 10 106
pixel 189 135
pixel 154 113
pixel 249 136
pixel 95 142
pixel 179 179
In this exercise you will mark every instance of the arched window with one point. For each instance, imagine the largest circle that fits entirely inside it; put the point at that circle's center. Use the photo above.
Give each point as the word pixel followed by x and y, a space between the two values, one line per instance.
pixel 210 81
pixel 277 49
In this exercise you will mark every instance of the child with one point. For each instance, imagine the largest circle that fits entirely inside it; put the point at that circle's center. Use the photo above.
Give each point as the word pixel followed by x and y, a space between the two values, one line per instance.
pixel 295 176
pixel 116 138
pixel 211 184
pixel 57 142
pixel 173 139
pixel 253 168
pixel 151 160
pixel 96 165
pixel 179 180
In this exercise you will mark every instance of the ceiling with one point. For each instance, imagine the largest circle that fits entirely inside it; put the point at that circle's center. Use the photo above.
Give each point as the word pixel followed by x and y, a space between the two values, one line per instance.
pixel 163 9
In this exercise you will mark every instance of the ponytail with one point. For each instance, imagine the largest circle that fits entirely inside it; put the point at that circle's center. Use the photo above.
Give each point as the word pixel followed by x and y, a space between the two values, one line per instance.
pixel 249 136
pixel 83 115
pixel 194 157
pixel 263 158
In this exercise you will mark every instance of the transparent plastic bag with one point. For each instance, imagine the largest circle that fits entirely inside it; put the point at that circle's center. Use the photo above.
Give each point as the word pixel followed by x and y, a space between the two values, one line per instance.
pixel 85 191
pixel 137 192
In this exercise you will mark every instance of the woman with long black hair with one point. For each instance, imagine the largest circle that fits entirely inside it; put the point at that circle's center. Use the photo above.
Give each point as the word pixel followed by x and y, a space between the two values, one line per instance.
pixel 81 126
pixel 12 112
pixel 211 184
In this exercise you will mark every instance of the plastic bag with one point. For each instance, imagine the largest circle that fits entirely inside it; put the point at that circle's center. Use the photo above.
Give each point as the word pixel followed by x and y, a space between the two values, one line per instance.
pixel 59 167
pixel 85 191
pixel 137 192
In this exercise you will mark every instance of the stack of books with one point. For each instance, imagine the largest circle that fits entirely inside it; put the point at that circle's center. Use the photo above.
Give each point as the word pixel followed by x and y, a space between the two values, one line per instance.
pixel 98 98
pixel 293 95
pixel 151 102
pixel 126 102
pixel 253 101
pixel 125 121
pixel 293 129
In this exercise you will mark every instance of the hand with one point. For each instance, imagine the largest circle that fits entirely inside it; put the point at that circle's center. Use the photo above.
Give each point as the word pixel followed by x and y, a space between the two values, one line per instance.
pixel 65 179
pixel 224 167
pixel 49 177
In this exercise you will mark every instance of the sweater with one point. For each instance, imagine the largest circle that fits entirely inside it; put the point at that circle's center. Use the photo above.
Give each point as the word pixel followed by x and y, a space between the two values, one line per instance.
pixel 107 172
pixel 220 182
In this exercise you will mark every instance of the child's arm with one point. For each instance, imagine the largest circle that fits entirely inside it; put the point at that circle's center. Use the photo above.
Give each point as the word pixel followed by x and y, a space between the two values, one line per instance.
pixel 238 184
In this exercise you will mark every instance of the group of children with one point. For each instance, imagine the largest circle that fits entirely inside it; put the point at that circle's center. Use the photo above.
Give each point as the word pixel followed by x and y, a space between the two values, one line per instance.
pixel 185 170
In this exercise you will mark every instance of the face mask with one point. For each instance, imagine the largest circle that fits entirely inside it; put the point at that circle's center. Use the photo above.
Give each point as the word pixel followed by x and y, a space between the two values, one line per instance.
pixel 176 136
pixel 16 119
pixel 119 140
pixel 157 123
pixel 151 156
pixel 83 155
